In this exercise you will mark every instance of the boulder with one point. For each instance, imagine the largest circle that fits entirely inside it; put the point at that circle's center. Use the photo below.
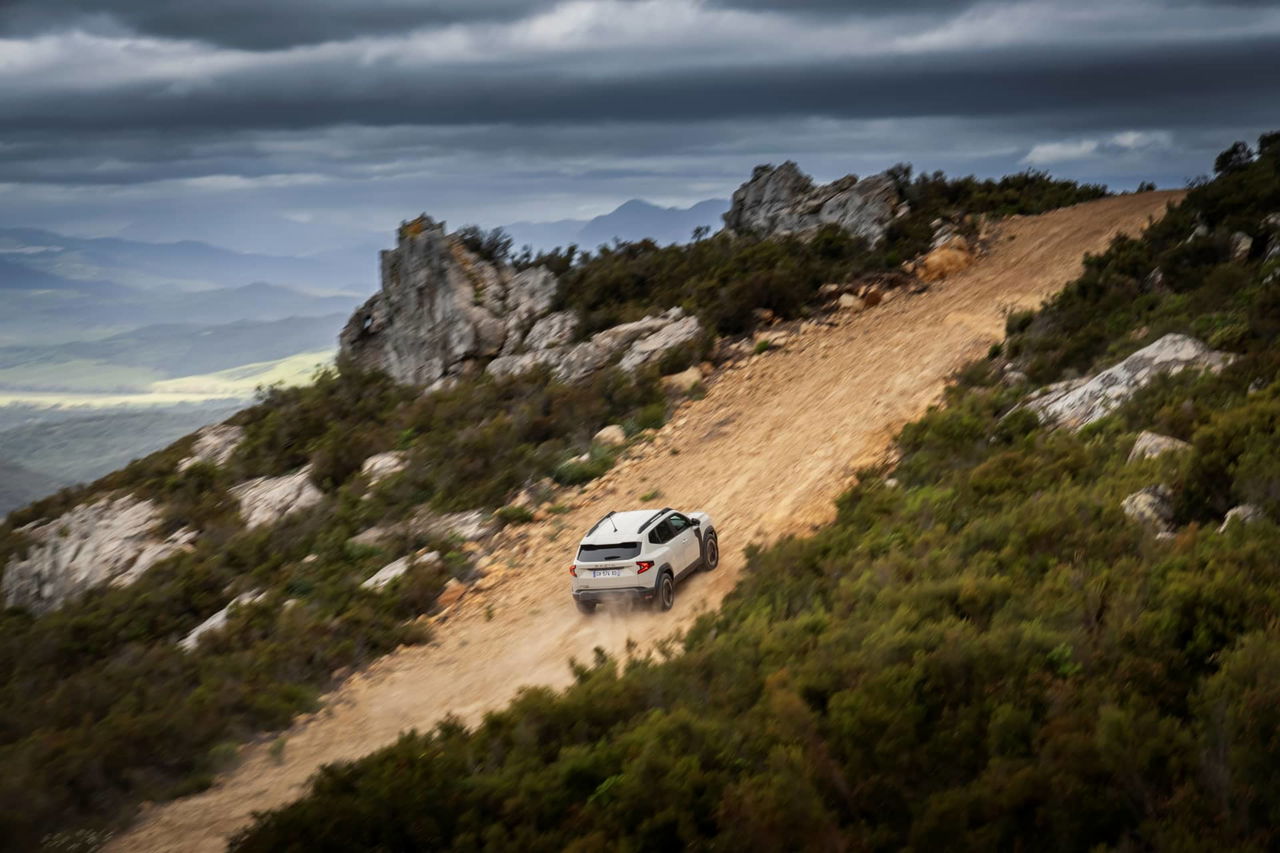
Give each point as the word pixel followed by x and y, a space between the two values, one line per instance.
pixel 1151 507
pixel 640 342
pixel 610 436
pixel 1242 514
pixel 683 382
pixel 109 541
pixel 397 568
pixel 266 500
pixel 1077 403
pixel 1240 246
pixel 781 200
pixel 213 444
pixel 1150 445
pixel 650 349
pixel 470 526
pixel 382 465
pixel 218 620
pixel 849 302
pixel 553 330
pixel 453 591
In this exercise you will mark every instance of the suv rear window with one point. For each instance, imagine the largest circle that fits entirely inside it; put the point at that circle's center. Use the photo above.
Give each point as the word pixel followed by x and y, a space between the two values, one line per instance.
pixel 598 553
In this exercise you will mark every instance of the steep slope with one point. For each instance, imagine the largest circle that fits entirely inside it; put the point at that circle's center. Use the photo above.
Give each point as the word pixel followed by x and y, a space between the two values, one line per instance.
pixel 765 451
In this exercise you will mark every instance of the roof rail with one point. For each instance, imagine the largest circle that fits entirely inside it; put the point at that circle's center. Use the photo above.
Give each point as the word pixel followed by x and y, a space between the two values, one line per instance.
pixel 652 519
pixel 602 520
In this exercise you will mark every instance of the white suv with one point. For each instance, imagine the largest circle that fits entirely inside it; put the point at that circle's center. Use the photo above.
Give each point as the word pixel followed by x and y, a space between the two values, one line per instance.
pixel 642 554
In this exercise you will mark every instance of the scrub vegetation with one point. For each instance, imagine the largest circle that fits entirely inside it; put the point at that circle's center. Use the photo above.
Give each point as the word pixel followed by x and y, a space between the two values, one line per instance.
pixel 981 652
pixel 101 709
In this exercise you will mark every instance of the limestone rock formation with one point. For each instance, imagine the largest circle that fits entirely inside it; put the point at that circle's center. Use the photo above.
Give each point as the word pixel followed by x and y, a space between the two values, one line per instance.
pixel 1151 507
pixel 1242 514
pixel 783 200
pixel 1077 403
pixel 397 568
pixel 109 541
pixel 1150 445
pixel 444 312
pixel 218 620
pixel 640 343
pixel 442 308
pixel 214 444
pixel 266 500
pixel 380 466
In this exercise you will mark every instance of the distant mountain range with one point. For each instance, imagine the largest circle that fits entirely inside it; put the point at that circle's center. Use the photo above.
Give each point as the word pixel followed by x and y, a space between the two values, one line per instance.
pixel 184 266
pixel 634 220
pixel 103 316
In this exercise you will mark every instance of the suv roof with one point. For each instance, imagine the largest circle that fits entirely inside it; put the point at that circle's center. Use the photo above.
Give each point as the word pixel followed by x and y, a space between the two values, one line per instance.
pixel 615 524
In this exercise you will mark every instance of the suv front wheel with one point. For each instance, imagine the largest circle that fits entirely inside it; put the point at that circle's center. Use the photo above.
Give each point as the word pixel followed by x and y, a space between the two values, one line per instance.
pixel 711 553
pixel 666 591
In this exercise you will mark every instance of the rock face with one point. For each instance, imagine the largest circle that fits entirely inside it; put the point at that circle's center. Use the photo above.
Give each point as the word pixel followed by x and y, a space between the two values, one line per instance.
pixel 108 541
pixel 783 200
pixel 266 500
pixel 443 312
pixel 382 465
pixel 442 308
pixel 1079 402
pixel 214 444
pixel 1150 445
pixel 397 568
pixel 1242 514
pixel 1151 507
pixel 217 620
pixel 640 343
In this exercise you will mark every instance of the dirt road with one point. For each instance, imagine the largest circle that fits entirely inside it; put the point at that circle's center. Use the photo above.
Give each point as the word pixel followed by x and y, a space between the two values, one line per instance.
pixel 766 451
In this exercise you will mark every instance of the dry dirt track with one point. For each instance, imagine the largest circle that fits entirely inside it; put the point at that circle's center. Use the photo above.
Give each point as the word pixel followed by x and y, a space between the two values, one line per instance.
pixel 765 452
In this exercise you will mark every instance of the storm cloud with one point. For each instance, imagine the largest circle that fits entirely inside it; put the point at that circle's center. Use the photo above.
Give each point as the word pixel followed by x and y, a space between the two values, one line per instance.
pixel 146 117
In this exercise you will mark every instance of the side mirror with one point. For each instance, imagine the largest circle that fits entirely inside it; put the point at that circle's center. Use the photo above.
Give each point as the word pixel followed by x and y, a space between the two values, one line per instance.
pixel 696 522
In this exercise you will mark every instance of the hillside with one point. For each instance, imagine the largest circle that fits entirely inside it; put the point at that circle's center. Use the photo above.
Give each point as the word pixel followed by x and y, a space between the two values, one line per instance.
pixel 1028 630
pixel 740 452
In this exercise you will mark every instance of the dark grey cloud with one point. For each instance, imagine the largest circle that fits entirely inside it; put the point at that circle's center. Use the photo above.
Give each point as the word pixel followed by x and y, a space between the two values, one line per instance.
pixel 257 24
pixel 1172 83
pixel 311 118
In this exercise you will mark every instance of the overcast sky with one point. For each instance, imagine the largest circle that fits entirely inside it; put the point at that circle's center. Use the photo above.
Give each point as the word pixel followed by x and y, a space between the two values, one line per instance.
pixel 300 125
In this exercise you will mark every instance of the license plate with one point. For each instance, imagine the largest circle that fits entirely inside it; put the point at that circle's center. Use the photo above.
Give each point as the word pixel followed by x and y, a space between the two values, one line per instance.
pixel 607 573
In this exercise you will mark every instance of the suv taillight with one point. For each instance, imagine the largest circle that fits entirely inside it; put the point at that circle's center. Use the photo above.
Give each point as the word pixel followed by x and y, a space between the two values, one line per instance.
pixel 644 566
pixel 573 570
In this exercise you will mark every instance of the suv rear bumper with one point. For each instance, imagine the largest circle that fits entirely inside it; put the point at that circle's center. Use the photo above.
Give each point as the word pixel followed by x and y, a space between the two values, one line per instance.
pixel 645 592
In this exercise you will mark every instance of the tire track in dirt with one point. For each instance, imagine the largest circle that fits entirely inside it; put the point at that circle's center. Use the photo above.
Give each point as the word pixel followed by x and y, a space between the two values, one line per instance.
pixel 775 439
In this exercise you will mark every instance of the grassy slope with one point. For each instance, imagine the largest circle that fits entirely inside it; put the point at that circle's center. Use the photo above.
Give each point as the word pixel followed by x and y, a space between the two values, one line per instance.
pixel 987 654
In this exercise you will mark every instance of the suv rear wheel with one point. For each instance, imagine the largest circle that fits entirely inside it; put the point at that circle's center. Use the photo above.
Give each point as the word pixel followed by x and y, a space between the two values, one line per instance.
pixel 666 592
pixel 587 607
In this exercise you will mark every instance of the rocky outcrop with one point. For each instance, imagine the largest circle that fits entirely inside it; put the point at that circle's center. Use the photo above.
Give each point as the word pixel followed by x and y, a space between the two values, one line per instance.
pixel 1079 402
pixel 397 568
pixel 1151 507
pixel 1242 514
pixel 442 309
pixel 266 500
pixel 213 444
pixel 444 312
pixel 783 200
pixel 109 541
pixel 1149 445
pixel 218 620
pixel 633 345
pixel 380 466
pixel 426 523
